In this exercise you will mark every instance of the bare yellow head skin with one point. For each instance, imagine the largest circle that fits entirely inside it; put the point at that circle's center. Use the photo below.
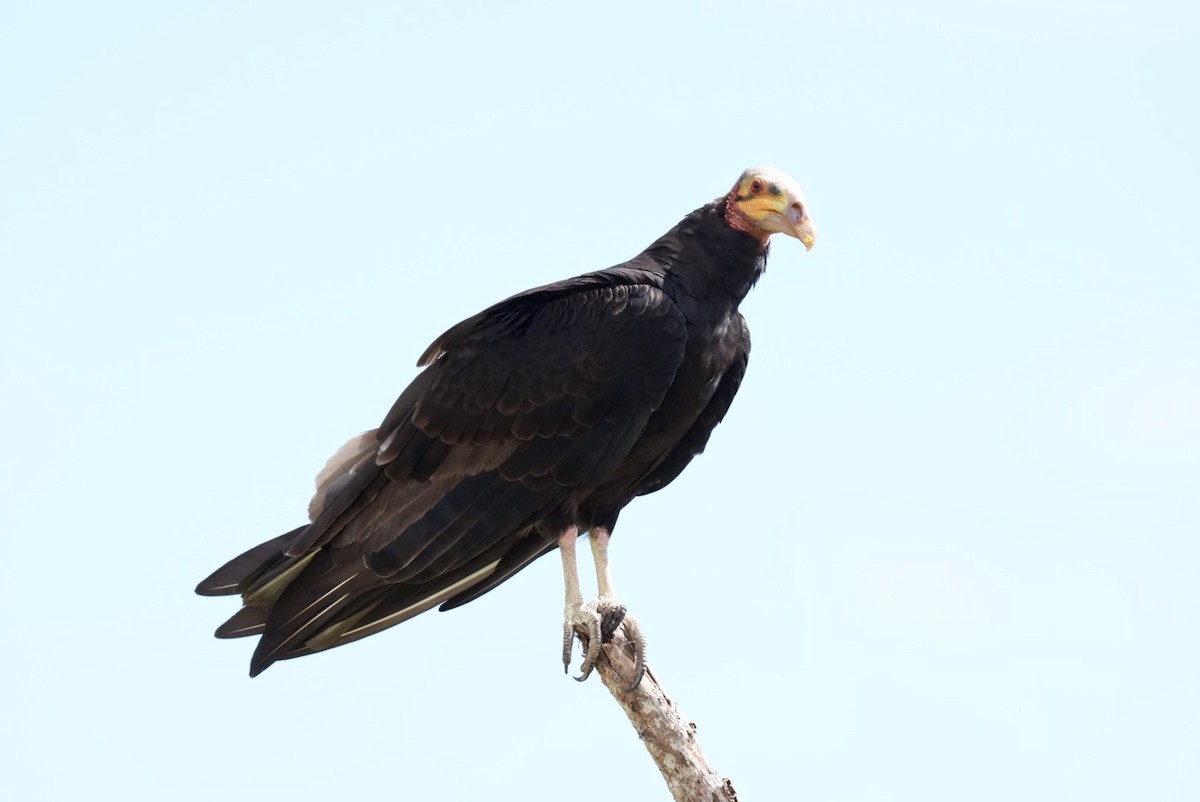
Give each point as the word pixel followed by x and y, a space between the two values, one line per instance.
pixel 767 201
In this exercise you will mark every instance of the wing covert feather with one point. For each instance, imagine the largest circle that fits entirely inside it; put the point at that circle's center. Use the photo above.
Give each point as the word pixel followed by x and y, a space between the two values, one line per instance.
pixel 532 403
pixel 539 391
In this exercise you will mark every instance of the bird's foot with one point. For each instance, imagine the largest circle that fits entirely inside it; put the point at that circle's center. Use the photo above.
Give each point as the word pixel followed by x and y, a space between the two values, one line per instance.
pixel 595 623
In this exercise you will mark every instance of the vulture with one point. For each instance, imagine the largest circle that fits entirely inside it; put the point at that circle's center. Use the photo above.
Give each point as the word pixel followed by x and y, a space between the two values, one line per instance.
pixel 532 423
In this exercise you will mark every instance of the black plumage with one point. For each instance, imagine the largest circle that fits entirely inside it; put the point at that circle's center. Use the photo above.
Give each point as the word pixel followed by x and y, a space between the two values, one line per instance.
pixel 544 414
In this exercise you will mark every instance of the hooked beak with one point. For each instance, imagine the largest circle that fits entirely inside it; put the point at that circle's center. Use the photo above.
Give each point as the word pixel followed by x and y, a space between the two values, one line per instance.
pixel 802 228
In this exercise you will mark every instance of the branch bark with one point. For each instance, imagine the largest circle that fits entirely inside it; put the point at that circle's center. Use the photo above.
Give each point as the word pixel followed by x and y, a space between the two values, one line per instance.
pixel 668 735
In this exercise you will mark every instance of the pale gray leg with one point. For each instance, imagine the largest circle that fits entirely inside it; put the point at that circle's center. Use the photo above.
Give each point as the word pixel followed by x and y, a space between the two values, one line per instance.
pixel 611 612
pixel 577 615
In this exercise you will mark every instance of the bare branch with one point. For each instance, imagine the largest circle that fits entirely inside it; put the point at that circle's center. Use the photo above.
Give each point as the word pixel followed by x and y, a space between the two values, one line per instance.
pixel 668 735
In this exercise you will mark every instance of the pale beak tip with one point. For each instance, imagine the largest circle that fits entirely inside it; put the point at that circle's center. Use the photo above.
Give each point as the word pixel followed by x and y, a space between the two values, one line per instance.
pixel 808 240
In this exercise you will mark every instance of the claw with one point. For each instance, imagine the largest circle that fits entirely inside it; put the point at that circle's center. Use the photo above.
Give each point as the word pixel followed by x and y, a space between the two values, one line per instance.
pixel 585 621
pixel 636 639
pixel 595 623
pixel 611 617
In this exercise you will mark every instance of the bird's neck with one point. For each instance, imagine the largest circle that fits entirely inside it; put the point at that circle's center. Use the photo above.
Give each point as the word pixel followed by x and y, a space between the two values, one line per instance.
pixel 708 258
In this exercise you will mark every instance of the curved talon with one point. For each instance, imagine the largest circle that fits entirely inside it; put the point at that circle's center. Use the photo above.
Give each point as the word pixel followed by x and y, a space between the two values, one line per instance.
pixel 595 623
pixel 585 622
pixel 636 639
pixel 611 617
pixel 592 645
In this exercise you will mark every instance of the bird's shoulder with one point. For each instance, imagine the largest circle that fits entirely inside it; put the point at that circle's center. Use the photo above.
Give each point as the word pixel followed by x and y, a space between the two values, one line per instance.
pixel 602 295
pixel 583 340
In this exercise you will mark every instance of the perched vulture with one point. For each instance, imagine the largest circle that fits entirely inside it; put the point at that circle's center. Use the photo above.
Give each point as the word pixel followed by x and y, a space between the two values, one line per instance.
pixel 533 422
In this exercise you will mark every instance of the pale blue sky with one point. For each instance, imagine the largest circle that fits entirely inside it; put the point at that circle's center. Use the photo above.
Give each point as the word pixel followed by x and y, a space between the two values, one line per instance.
pixel 944 547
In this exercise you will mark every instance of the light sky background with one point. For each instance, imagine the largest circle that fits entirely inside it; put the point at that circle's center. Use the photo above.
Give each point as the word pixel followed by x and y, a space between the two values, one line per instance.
pixel 944 546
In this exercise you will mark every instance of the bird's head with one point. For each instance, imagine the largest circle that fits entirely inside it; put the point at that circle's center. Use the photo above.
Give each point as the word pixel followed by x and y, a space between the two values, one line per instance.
pixel 767 201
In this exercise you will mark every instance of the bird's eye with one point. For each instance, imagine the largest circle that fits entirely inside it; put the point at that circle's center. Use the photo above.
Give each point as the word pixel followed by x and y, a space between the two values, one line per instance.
pixel 757 186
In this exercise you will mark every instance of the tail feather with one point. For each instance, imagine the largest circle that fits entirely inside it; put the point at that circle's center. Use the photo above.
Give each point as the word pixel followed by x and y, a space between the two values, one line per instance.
pixel 320 599
pixel 245 622
pixel 312 601
pixel 243 570
pixel 401 604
